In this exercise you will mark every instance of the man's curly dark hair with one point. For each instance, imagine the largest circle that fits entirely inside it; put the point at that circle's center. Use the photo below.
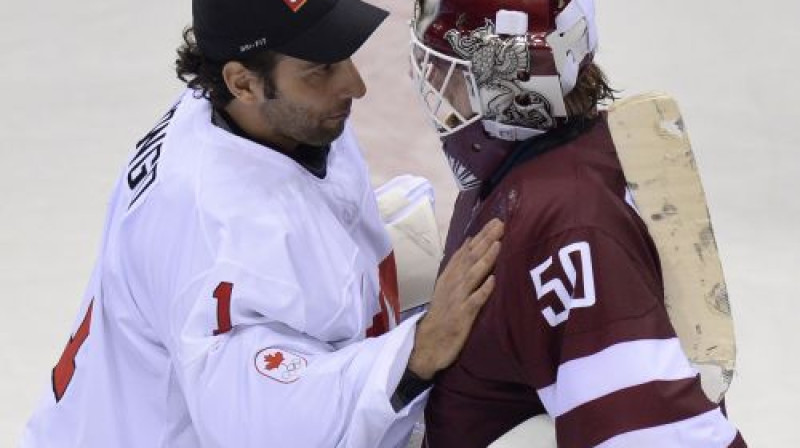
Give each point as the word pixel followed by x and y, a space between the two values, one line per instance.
pixel 205 75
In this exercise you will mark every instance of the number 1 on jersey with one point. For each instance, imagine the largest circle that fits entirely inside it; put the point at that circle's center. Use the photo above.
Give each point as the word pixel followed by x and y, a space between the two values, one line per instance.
pixel 223 295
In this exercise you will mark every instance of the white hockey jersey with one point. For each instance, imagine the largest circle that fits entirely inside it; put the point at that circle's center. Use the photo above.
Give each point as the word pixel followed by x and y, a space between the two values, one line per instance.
pixel 230 305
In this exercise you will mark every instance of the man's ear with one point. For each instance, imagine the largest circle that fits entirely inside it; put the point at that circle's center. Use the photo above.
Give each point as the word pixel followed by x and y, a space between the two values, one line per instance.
pixel 242 83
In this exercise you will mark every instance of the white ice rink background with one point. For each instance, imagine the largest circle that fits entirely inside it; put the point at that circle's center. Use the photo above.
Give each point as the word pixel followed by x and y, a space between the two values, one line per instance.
pixel 80 81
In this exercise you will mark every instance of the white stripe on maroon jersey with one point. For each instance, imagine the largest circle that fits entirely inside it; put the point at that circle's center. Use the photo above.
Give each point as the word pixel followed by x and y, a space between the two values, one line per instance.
pixel 709 430
pixel 620 366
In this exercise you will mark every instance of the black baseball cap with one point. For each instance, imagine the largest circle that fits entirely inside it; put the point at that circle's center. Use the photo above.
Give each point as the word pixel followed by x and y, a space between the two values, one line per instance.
pixel 323 31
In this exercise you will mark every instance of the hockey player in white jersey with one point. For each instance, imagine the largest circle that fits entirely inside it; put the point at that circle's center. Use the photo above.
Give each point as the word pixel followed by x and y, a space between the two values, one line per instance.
pixel 245 292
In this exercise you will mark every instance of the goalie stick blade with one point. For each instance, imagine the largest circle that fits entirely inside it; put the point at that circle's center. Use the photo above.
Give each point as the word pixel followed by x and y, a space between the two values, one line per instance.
pixel 659 165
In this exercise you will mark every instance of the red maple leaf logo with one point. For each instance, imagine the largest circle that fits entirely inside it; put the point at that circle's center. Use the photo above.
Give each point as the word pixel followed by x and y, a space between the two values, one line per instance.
pixel 274 361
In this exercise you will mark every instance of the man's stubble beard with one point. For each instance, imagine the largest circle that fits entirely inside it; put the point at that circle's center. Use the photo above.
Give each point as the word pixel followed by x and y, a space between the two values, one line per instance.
pixel 298 123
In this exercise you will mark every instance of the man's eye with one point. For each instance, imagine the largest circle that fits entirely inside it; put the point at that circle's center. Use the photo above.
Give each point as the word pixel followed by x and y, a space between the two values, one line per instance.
pixel 321 70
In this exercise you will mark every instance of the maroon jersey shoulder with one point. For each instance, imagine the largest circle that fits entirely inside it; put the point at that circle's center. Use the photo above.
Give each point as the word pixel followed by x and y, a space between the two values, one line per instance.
pixel 577 185
pixel 572 239
pixel 577 272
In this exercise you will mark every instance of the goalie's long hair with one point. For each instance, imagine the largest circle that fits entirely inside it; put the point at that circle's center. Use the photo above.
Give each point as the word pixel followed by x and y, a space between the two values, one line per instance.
pixel 591 90
pixel 205 75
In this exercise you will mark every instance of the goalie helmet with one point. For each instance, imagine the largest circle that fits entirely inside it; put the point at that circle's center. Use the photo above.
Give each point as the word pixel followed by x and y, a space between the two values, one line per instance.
pixel 507 63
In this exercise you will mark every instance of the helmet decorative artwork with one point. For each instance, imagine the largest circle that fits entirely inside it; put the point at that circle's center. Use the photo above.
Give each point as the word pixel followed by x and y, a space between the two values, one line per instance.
pixel 497 64
pixel 514 61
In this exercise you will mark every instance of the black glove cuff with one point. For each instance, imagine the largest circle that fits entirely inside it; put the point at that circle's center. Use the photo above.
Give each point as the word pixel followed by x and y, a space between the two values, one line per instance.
pixel 408 389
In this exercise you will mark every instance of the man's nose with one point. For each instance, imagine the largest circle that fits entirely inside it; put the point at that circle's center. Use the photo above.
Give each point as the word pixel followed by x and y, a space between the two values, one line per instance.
pixel 354 86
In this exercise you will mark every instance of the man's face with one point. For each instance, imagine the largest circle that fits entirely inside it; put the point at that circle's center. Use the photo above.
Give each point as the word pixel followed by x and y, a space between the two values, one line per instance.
pixel 311 101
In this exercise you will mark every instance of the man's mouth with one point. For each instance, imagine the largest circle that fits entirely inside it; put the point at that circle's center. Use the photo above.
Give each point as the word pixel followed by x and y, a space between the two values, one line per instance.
pixel 341 113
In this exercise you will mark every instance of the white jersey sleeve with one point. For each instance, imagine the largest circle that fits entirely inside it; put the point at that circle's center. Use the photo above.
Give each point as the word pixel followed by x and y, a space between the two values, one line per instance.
pixel 271 339
pixel 270 385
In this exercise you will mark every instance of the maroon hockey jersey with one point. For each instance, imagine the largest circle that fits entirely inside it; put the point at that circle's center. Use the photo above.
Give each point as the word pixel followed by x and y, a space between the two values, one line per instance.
pixel 577 326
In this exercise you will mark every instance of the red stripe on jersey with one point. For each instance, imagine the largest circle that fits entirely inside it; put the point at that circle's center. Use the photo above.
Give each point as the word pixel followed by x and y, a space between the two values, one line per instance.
pixel 389 298
pixel 65 369
pixel 387 273
pixel 639 407
pixel 654 325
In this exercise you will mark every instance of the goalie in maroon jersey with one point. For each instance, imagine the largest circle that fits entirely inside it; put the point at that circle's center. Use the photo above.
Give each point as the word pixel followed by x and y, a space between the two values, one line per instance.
pixel 577 329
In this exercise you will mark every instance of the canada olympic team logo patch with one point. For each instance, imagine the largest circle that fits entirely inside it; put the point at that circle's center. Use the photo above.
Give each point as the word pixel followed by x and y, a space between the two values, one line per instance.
pixel 282 366
pixel 295 5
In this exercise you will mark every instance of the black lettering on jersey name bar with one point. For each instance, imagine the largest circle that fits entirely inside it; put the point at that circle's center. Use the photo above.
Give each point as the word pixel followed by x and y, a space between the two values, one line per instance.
pixel 143 166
